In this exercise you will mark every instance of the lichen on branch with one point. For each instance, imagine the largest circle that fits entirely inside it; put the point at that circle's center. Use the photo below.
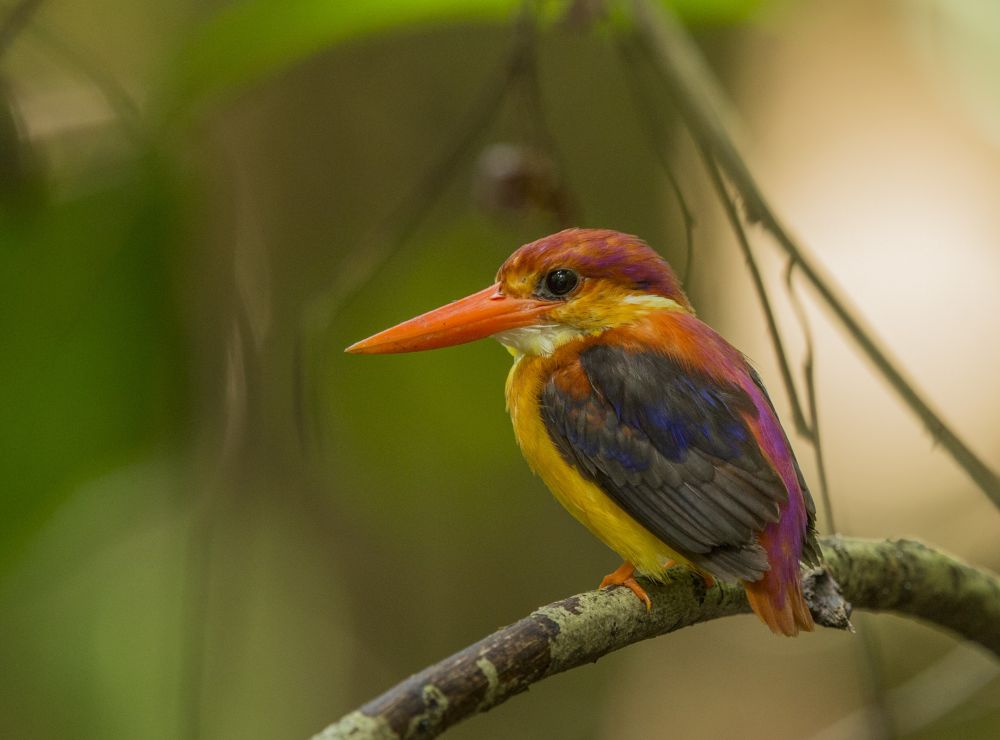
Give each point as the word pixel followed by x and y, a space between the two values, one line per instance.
pixel 901 576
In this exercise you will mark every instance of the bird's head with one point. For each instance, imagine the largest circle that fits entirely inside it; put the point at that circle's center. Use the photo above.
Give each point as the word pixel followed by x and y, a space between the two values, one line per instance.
pixel 574 283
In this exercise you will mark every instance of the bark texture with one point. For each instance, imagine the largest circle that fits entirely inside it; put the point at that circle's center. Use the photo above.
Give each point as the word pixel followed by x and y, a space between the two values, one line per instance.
pixel 901 576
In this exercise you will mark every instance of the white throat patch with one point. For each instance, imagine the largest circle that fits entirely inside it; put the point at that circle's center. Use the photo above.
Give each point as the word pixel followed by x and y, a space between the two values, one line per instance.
pixel 544 339
pixel 538 340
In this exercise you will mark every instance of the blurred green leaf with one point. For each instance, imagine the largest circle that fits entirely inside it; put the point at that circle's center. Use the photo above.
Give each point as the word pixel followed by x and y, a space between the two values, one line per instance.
pixel 250 41
pixel 714 11
pixel 451 399
pixel 88 341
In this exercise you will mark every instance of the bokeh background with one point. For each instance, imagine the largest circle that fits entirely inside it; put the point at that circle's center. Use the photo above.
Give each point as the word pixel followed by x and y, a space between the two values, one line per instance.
pixel 215 524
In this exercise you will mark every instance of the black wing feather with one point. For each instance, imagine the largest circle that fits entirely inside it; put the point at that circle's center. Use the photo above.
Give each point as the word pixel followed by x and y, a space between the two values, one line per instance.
pixel 672 448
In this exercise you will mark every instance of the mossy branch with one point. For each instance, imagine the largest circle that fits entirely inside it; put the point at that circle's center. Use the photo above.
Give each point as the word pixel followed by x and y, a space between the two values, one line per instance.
pixel 901 576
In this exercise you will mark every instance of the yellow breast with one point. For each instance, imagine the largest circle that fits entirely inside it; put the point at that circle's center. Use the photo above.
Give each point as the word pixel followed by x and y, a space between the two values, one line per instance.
pixel 583 499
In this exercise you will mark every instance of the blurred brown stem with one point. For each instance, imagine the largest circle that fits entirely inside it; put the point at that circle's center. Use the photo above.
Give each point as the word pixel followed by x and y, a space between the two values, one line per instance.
pixel 901 576
pixel 16 19
pixel 694 91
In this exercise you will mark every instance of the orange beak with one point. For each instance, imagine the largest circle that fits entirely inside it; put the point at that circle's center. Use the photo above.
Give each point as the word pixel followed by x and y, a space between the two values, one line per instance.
pixel 477 316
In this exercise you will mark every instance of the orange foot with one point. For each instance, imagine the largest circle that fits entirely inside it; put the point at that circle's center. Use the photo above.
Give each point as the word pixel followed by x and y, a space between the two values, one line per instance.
pixel 624 577
pixel 709 580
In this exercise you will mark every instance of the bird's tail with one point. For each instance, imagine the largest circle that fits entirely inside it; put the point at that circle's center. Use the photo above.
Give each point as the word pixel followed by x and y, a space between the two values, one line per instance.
pixel 779 606
pixel 777 600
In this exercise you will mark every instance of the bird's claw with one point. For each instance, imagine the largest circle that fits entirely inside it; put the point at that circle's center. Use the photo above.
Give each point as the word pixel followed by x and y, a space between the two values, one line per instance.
pixel 624 576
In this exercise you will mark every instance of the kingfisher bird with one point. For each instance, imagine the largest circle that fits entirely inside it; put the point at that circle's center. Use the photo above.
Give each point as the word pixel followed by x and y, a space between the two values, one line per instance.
pixel 648 427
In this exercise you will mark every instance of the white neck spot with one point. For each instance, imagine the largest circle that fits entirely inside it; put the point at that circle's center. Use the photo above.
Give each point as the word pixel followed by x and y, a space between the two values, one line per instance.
pixel 538 340
pixel 544 339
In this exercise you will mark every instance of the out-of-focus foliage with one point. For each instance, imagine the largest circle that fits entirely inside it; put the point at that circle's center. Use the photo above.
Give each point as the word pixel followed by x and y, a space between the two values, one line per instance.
pixel 91 361
pixel 214 523
pixel 254 40
pixel 960 44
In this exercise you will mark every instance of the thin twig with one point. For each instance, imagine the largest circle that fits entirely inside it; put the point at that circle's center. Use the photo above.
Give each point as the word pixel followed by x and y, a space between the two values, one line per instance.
pixel 807 427
pixel 691 86
pixel 809 372
pixel 801 423
pixel 901 576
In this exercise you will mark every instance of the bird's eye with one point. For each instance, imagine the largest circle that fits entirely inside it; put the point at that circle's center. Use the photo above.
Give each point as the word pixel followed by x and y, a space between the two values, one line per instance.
pixel 560 282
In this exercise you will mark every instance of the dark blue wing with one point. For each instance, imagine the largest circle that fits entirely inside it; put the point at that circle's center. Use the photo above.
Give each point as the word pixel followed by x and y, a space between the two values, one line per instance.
pixel 673 448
